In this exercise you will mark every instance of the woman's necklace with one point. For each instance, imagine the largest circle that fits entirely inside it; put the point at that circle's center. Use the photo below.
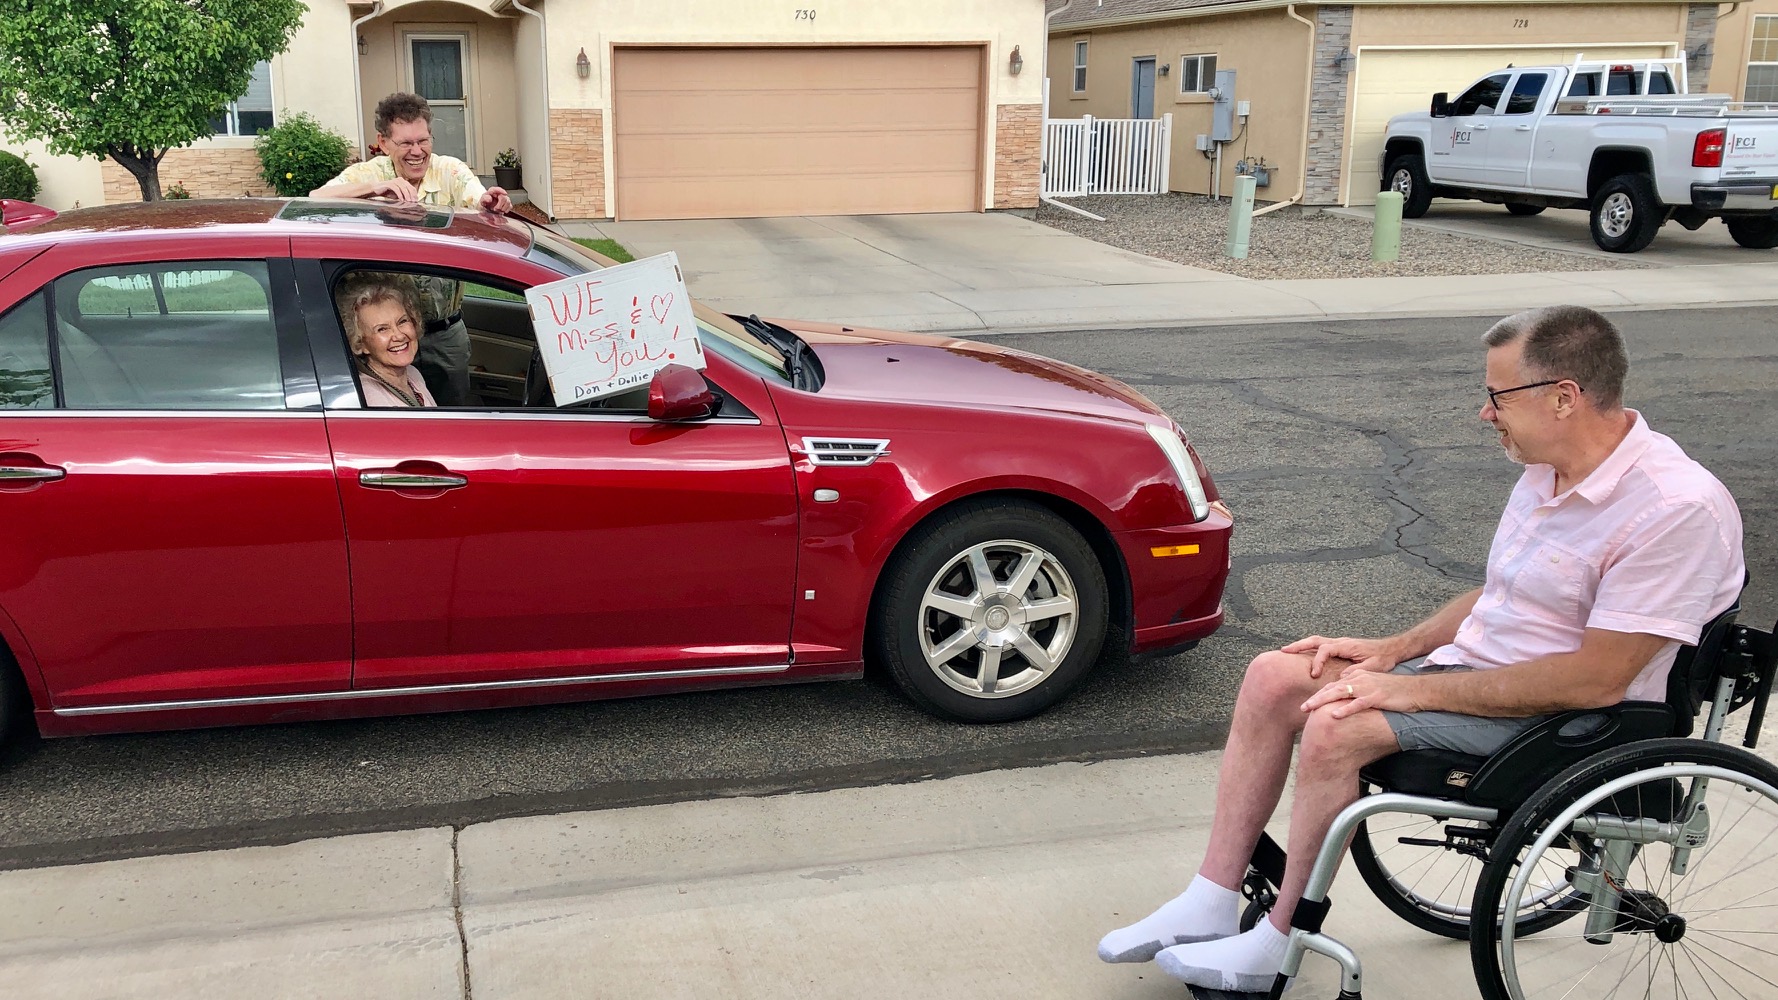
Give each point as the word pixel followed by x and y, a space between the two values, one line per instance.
pixel 403 395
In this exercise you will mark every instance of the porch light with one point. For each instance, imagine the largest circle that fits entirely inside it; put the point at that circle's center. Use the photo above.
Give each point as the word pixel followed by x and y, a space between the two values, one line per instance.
pixel 363 46
pixel 1015 62
pixel 583 67
pixel 1343 60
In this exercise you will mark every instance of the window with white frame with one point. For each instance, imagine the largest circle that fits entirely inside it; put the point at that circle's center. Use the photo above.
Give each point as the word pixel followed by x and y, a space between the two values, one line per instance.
pixel 1196 73
pixel 1080 67
pixel 251 113
pixel 1762 60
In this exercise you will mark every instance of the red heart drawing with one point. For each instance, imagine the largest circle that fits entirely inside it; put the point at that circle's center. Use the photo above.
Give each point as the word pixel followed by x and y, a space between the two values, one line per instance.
pixel 659 305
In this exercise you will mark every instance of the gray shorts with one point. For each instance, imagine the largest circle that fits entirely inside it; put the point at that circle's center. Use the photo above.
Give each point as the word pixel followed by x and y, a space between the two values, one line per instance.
pixel 1471 734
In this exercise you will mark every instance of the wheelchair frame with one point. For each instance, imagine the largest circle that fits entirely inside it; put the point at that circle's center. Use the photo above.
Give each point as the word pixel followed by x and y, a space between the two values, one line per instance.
pixel 1733 664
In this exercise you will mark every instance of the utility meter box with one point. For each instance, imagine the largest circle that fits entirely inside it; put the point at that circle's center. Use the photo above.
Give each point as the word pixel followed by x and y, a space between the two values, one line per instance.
pixel 1222 111
pixel 1203 145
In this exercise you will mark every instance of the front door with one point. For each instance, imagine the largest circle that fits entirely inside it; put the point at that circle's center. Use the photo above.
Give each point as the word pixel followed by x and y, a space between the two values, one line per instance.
pixel 1460 141
pixel 557 543
pixel 438 70
pixel 1142 89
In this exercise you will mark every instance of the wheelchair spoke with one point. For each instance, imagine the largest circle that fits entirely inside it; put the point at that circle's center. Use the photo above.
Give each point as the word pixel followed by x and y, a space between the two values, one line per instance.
pixel 1729 961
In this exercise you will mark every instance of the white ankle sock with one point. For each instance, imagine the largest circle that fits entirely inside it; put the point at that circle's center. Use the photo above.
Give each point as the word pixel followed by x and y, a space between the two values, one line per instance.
pixel 1205 911
pixel 1245 963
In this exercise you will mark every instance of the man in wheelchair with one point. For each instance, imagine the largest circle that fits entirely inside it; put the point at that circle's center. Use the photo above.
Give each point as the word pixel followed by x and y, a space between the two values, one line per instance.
pixel 1614 549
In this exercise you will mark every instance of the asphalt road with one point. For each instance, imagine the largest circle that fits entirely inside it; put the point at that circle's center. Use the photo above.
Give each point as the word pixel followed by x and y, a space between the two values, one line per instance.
pixel 1365 492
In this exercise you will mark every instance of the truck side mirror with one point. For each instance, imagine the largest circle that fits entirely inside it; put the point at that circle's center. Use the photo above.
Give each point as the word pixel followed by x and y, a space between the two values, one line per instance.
pixel 1441 105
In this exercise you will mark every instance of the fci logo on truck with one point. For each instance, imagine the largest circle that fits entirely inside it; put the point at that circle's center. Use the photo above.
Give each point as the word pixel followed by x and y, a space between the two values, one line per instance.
pixel 1461 137
pixel 1745 141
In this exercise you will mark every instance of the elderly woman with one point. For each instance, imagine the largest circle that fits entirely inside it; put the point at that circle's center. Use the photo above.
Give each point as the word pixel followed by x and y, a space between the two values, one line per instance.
pixel 382 318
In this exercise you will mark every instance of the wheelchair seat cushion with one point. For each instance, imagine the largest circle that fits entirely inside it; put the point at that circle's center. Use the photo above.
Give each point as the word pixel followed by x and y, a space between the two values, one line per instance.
pixel 1441 774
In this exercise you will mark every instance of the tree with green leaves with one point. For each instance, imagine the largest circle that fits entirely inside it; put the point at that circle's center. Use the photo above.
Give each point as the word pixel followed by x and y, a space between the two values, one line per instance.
pixel 131 79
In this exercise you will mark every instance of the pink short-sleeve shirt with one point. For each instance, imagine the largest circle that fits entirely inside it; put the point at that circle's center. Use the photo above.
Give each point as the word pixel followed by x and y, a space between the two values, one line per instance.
pixel 1650 542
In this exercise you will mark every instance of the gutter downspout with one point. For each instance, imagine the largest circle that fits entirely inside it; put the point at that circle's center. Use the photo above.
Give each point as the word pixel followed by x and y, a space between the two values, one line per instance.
pixel 1043 136
pixel 549 209
pixel 1302 184
pixel 357 83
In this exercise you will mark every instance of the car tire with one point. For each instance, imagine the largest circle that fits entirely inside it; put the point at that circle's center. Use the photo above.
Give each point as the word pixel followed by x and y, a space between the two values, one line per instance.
pixel 1626 214
pixel 1407 174
pixel 1520 208
pixel 15 702
pixel 933 600
pixel 1754 234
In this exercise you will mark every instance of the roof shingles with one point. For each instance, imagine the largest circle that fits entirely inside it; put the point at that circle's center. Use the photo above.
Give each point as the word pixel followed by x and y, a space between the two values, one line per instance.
pixel 1088 11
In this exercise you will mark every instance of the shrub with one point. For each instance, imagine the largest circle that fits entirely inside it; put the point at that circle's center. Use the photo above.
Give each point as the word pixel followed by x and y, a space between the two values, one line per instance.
pixel 299 155
pixel 18 179
pixel 177 192
pixel 507 158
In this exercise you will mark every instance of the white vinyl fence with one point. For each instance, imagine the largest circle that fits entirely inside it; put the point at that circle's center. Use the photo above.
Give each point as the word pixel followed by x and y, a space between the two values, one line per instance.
pixel 1083 156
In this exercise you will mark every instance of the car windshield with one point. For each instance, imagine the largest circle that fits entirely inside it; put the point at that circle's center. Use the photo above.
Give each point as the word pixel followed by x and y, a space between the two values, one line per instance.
pixel 718 333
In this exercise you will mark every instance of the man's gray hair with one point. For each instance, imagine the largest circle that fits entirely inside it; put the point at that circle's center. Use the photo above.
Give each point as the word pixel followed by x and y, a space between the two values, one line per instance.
pixel 365 288
pixel 1569 342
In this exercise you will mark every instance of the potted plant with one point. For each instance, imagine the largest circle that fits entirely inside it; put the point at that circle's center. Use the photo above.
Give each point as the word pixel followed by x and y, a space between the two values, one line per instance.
pixel 506 169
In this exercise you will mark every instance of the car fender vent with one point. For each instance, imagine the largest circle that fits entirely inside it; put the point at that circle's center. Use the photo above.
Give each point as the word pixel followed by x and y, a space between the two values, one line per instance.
pixel 845 451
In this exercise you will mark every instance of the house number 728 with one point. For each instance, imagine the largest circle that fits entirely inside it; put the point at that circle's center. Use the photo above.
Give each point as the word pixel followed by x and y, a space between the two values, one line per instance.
pixel 805 15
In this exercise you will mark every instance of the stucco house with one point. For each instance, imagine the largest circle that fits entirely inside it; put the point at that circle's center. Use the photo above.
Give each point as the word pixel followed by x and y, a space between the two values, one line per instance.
pixel 1322 80
pixel 645 109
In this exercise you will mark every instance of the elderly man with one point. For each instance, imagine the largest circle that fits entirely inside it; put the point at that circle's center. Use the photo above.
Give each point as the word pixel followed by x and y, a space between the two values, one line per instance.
pixel 409 171
pixel 1614 549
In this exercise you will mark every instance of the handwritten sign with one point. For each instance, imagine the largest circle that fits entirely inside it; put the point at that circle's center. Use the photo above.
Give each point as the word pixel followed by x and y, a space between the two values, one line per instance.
pixel 609 331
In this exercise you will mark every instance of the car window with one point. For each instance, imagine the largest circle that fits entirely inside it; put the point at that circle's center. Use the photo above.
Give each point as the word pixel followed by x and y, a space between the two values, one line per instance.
pixel 1481 98
pixel 1527 90
pixel 1584 85
pixel 25 381
pixel 193 335
pixel 1660 83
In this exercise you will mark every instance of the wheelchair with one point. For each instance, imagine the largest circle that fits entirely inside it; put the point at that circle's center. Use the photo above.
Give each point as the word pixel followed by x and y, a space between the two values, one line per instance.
pixel 1610 852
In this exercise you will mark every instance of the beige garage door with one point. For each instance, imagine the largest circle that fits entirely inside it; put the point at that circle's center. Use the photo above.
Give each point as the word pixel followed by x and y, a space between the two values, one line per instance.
pixel 739 133
pixel 1391 81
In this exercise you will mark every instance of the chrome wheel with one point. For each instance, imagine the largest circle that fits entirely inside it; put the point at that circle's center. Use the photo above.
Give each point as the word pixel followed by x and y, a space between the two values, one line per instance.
pixel 998 618
pixel 1616 214
pixel 1402 182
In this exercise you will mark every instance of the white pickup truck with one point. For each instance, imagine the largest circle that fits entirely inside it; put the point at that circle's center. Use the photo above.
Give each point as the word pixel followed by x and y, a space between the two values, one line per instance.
pixel 1620 139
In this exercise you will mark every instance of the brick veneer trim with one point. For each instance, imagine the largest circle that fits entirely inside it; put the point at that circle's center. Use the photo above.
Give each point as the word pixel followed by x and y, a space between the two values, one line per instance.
pixel 1327 106
pixel 577 164
pixel 206 173
pixel 1018 170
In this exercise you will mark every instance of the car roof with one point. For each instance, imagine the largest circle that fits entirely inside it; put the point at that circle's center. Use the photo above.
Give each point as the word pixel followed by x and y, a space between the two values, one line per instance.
pixel 277 217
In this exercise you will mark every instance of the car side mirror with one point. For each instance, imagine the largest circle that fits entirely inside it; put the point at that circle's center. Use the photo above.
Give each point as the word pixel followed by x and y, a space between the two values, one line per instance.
pixel 1441 105
pixel 677 393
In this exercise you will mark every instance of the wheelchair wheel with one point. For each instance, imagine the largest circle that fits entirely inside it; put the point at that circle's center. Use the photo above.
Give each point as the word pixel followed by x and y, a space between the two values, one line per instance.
pixel 1425 870
pixel 1672 845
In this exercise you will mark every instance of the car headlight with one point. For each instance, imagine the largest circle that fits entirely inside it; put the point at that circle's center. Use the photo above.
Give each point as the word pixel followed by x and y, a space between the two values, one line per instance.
pixel 1174 448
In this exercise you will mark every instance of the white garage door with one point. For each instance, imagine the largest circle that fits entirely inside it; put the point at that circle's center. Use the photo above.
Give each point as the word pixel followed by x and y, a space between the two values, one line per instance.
pixel 1391 81
pixel 739 133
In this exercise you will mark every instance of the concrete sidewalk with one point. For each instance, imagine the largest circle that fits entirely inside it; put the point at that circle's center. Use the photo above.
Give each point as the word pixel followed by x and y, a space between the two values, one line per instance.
pixel 985 886
pixel 974 274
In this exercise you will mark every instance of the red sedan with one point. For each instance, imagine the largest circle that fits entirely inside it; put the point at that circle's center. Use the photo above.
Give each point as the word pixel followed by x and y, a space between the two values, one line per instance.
pixel 206 524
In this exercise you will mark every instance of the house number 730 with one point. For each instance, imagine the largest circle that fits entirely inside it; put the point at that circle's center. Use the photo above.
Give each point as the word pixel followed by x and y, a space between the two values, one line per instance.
pixel 805 15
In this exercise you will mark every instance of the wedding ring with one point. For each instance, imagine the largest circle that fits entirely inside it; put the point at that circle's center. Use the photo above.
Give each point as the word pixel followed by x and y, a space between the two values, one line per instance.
pixel 1348 690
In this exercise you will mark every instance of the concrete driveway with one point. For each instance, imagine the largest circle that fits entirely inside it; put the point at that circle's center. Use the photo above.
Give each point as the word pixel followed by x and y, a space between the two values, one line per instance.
pixel 1567 229
pixel 908 272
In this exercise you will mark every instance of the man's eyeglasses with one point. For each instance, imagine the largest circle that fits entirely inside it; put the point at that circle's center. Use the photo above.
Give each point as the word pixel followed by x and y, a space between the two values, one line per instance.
pixel 411 144
pixel 1495 394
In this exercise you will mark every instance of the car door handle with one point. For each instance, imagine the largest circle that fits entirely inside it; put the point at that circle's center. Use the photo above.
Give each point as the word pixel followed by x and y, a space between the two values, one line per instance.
pixel 400 479
pixel 1480 127
pixel 30 473
pixel 1521 128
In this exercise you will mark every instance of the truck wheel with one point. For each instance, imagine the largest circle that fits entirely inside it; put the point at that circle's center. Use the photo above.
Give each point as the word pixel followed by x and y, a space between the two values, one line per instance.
pixel 1520 208
pixel 1407 175
pixel 1626 214
pixel 1754 234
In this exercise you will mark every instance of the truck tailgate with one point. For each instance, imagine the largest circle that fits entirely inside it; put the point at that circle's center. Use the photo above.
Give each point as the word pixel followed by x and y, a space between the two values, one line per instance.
pixel 1751 148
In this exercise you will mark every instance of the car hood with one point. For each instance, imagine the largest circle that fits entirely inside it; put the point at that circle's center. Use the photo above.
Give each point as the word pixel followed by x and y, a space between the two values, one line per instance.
pixel 880 364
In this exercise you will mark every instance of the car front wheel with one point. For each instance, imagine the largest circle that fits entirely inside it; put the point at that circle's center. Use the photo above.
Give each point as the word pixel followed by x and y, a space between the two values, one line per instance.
pixel 991 612
pixel 1406 176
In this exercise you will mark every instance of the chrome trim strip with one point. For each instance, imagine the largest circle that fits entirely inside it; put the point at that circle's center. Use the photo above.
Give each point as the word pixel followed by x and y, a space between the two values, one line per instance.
pixel 431 413
pixel 283 414
pixel 19 473
pixel 297 699
pixel 839 451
